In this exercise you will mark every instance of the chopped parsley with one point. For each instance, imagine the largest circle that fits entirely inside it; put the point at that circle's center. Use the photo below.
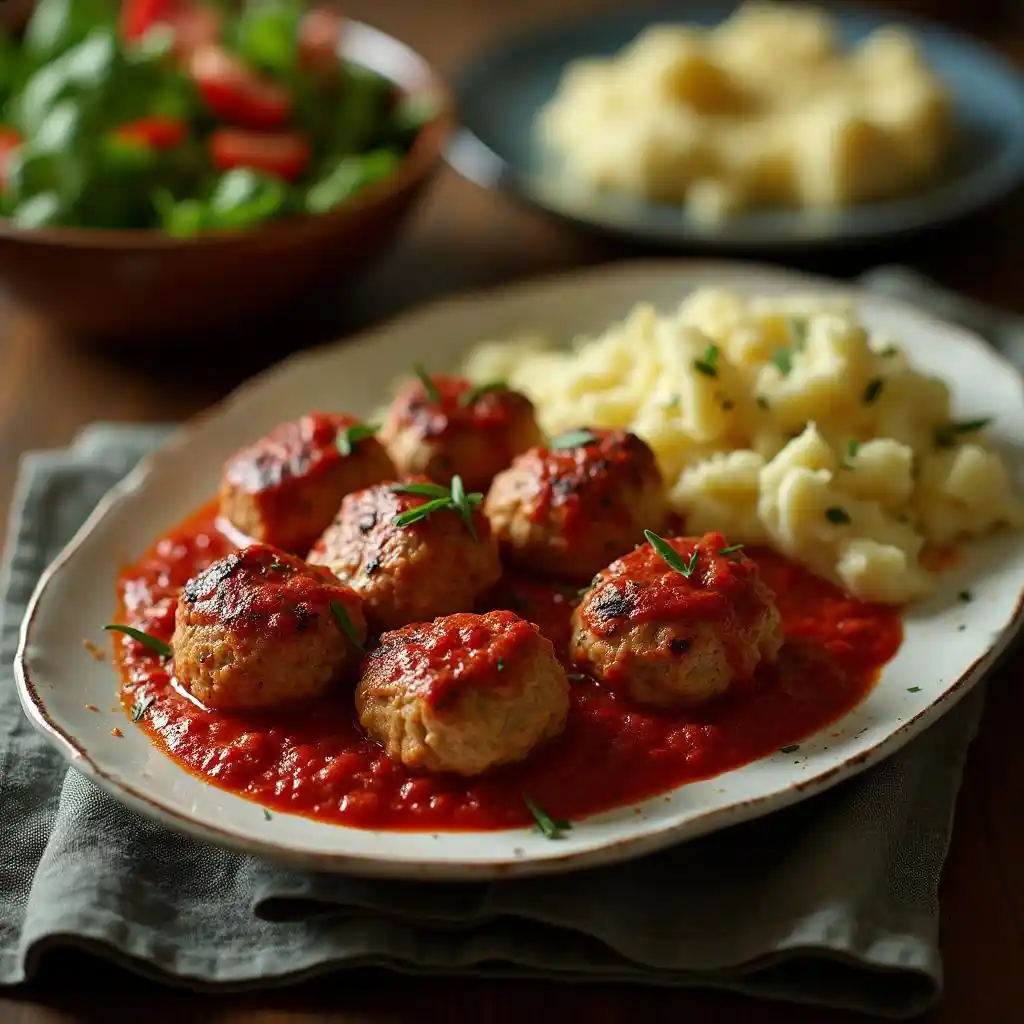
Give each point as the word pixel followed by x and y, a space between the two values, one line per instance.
pixel 345 624
pixel 140 707
pixel 965 596
pixel 873 390
pixel 852 447
pixel 467 398
pixel 572 439
pixel 731 549
pixel 152 642
pixel 267 815
pixel 351 436
pixel 913 689
pixel 947 435
pixel 454 499
pixel 789 748
pixel 837 515
pixel 278 567
pixel 501 664
pixel 670 556
pixel 708 363
pixel 762 402
pixel 783 360
pixel 553 828
pixel 428 385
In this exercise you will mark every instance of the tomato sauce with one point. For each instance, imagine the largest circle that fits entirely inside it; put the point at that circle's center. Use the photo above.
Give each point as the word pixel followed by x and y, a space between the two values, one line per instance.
pixel 317 762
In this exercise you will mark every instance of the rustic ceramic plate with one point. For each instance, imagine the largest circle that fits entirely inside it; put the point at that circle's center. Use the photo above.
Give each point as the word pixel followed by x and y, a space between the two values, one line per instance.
pixel 948 645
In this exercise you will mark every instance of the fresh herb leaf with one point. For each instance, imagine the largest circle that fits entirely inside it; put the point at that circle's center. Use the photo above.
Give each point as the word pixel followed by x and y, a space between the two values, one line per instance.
pixel 551 827
pixel 913 689
pixel 501 664
pixel 731 549
pixel 267 815
pixel 965 596
pixel 762 402
pixel 351 436
pixel 873 390
pixel 670 556
pixel 946 436
pixel 798 330
pixel 424 490
pixel 152 642
pixel 707 364
pixel 420 512
pixel 852 447
pixel 572 439
pixel 469 397
pixel 783 360
pixel 278 567
pixel 428 385
pixel 140 707
pixel 789 748
pixel 461 503
pixel 837 515
pixel 341 616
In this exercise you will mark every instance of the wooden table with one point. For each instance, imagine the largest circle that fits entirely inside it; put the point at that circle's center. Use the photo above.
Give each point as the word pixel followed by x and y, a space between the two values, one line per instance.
pixel 463 238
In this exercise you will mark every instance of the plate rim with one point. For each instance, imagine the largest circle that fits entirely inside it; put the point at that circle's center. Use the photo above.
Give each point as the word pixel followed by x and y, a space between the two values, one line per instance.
pixel 419 866
pixel 976 191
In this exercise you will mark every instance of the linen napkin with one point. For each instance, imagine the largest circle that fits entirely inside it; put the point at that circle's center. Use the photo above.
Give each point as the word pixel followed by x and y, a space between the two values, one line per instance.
pixel 833 901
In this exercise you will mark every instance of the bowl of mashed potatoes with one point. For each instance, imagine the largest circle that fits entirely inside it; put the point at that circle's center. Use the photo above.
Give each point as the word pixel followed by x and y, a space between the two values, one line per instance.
pixel 763 123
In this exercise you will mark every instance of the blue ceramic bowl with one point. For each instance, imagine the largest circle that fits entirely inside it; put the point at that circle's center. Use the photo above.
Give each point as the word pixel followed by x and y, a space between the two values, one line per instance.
pixel 500 92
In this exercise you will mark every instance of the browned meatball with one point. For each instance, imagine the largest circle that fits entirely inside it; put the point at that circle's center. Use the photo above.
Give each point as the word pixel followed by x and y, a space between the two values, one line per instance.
pixel 459 429
pixel 464 693
pixel 285 489
pixel 260 628
pixel 670 639
pixel 568 508
pixel 409 573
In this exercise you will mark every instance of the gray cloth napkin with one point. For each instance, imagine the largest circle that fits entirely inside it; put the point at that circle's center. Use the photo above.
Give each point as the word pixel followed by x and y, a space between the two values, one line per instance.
pixel 833 901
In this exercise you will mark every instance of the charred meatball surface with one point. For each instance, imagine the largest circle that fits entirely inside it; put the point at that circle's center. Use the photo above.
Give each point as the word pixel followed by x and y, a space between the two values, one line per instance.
pixel 672 640
pixel 464 693
pixel 286 488
pixel 456 429
pixel 568 508
pixel 438 565
pixel 260 628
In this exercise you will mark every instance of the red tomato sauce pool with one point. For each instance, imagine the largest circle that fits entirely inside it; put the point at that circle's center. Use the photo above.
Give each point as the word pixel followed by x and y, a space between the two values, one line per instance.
pixel 317 762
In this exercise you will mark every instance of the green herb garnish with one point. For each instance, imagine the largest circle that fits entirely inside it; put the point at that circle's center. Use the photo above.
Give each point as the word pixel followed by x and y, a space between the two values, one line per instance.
pixel 140 707
pixel 762 402
pixel 965 596
pixel 152 642
pixel 455 499
pixel 469 397
pixel 873 390
pixel 501 664
pixel 889 351
pixel 837 515
pixel 946 435
pixel 551 827
pixel 428 385
pixel 789 748
pixel 783 360
pixel 267 815
pixel 731 549
pixel 913 689
pixel 670 556
pixel 707 364
pixel 572 439
pixel 341 616
pixel 798 330
pixel 852 447
pixel 351 436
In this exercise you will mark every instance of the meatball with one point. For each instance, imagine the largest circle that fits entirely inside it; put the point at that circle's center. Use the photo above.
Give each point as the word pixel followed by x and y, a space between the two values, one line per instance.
pixel 285 489
pixel 260 628
pixel 438 564
pixel 459 429
pixel 464 693
pixel 673 638
pixel 568 508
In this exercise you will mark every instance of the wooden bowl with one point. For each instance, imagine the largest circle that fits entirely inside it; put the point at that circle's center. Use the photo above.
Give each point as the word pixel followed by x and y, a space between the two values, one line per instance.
pixel 131 284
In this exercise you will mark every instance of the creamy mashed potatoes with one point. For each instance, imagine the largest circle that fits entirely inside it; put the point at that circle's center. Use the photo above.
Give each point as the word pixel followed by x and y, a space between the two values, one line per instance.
pixel 765 108
pixel 781 421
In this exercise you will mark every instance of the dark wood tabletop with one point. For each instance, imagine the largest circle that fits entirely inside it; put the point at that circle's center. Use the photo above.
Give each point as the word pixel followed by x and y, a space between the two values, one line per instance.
pixel 463 238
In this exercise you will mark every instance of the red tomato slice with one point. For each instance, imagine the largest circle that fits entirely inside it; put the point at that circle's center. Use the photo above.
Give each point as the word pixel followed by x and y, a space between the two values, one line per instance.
pixel 155 132
pixel 235 94
pixel 283 155
pixel 319 35
pixel 139 16
pixel 10 140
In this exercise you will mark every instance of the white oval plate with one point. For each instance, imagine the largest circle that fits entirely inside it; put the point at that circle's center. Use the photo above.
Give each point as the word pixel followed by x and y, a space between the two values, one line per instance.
pixel 948 646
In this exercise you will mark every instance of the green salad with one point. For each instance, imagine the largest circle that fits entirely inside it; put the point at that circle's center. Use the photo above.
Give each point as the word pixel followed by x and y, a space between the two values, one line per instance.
pixel 188 116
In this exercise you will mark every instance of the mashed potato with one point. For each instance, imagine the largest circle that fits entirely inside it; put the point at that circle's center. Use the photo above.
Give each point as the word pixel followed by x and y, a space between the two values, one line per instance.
pixel 765 108
pixel 780 421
